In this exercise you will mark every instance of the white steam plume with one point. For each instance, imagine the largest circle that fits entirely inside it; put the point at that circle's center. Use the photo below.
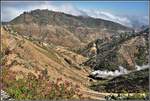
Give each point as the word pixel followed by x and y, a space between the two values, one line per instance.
pixel 121 71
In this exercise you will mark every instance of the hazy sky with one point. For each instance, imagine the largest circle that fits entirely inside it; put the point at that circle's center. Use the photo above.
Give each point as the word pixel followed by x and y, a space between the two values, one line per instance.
pixel 124 12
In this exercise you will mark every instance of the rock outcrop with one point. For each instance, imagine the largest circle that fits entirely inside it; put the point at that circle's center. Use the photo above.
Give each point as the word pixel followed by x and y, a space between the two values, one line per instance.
pixel 126 49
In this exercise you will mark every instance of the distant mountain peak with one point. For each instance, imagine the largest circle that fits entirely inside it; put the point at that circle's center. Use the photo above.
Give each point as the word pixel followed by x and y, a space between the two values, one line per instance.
pixel 78 29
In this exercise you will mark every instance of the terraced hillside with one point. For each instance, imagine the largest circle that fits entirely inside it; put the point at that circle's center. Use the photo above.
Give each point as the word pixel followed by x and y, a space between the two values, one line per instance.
pixel 22 56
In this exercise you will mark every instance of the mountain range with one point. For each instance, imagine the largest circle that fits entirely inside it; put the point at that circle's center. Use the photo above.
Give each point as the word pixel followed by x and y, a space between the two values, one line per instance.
pixel 64 29
pixel 72 47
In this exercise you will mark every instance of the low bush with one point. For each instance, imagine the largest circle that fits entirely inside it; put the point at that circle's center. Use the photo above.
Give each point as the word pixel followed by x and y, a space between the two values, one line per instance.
pixel 32 87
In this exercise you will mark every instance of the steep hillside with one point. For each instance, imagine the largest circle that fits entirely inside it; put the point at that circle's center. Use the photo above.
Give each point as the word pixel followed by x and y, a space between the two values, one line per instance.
pixel 22 57
pixel 41 46
pixel 125 49
pixel 64 29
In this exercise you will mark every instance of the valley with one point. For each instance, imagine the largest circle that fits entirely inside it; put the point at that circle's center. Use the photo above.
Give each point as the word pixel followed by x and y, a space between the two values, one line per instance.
pixel 23 59
pixel 94 57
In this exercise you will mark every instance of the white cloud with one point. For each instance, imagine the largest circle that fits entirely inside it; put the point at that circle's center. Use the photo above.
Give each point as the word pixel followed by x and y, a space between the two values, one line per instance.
pixel 109 16
pixel 8 13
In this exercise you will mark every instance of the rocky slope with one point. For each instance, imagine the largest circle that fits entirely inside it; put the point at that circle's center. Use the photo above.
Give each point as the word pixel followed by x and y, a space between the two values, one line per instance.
pixel 22 55
pixel 5 96
pixel 125 49
pixel 67 46
pixel 64 29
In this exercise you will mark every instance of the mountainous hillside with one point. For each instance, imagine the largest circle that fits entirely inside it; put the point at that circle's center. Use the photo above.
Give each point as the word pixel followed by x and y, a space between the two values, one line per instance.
pixel 64 29
pixel 23 55
pixel 24 58
pixel 41 48
pixel 125 49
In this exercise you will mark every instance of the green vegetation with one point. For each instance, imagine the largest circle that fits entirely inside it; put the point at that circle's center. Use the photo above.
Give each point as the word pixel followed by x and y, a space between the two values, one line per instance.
pixel 110 53
pixel 49 53
pixel 3 53
pixel 141 56
pixel 31 87
pixel 134 82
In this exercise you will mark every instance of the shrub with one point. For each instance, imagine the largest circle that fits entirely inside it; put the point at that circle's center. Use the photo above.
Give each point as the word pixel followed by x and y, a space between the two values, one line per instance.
pixel 32 87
